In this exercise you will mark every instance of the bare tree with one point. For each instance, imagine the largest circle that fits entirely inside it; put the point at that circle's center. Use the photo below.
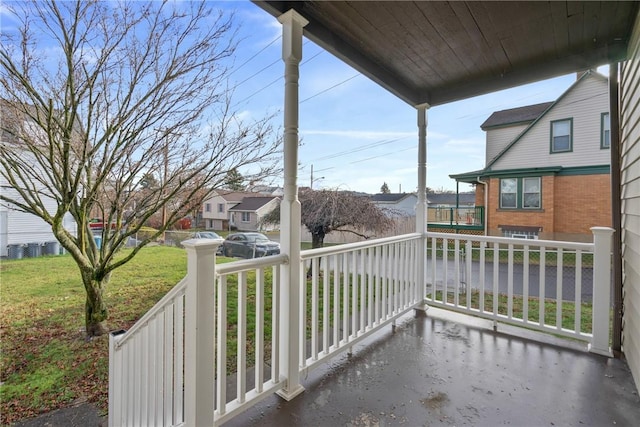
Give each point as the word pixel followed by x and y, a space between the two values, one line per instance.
pixel 328 210
pixel 118 110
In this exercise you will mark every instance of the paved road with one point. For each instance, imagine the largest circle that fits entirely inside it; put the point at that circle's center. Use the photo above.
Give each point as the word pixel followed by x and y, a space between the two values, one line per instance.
pixel 568 279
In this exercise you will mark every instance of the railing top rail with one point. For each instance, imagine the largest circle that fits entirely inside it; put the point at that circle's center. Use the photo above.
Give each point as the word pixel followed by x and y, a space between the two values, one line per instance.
pixel 169 296
pixel 251 264
pixel 331 250
pixel 514 241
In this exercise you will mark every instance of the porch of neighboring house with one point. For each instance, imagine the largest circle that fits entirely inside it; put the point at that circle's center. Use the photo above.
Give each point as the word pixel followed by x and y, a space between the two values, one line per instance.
pixel 461 219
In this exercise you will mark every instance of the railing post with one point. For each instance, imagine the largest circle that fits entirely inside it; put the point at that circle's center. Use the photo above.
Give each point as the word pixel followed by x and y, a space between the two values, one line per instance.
pixel 199 344
pixel 601 290
pixel 115 380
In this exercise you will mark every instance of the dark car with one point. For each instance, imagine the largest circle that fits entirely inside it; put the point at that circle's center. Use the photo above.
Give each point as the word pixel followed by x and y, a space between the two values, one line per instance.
pixel 249 245
pixel 208 235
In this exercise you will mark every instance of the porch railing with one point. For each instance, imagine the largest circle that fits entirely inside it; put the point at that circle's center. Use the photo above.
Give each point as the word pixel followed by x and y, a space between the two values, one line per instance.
pixel 557 287
pixel 469 216
pixel 210 348
pixel 354 289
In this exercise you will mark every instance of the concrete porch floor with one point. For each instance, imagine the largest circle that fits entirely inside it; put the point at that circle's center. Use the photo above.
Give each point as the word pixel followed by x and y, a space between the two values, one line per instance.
pixel 445 369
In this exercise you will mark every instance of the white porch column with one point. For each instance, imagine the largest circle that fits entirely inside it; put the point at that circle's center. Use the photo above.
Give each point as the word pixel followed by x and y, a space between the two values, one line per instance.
pixel 421 206
pixel 292 24
pixel 601 290
pixel 199 326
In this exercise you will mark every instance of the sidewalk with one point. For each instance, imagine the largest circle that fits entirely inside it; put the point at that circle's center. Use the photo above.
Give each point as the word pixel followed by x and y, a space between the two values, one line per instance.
pixel 82 415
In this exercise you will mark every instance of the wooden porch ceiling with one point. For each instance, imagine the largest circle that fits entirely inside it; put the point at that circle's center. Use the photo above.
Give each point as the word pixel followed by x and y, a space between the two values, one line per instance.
pixel 437 52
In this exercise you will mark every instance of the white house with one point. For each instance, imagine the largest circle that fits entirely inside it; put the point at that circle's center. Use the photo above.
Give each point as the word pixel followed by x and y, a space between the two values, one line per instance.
pixel 215 210
pixel 24 234
pixel 396 204
pixel 247 215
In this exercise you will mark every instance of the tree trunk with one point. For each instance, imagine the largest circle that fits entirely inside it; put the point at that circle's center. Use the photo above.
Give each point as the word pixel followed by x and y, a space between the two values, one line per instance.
pixel 317 241
pixel 95 308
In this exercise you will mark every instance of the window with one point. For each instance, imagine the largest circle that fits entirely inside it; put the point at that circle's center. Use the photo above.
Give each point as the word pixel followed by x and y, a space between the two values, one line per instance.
pixel 246 216
pixel 561 135
pixel 605 131
pixel 220 207
pixel 521 193
pixel 508 193
pixel 207 207
pixel 531 193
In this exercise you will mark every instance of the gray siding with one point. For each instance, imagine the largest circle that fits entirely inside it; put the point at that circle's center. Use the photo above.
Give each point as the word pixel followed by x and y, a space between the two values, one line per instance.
pixel 630 151
pixel 22 228
pixel 498 139
pixel 584 103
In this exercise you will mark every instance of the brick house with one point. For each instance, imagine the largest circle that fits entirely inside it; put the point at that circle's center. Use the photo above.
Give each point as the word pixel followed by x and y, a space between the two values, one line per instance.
pixel 547 173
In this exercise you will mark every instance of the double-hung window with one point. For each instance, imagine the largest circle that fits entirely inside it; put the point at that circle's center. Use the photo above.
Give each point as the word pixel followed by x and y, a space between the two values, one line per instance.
pixel 531 193
pixel 246 216
pixel 561 135
pixel 509 193
pixel 207 207
pixel 605 131
pixel 521 193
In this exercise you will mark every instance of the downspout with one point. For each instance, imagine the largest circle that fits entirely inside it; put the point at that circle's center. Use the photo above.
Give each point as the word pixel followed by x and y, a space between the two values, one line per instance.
pixel 486 201
pixel 457 206
pixel 616 208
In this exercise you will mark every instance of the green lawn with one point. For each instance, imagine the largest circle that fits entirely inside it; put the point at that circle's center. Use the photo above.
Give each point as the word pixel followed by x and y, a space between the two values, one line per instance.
pixel 45 362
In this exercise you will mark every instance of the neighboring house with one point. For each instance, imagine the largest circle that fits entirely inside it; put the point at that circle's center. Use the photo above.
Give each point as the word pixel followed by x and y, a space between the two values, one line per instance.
pixel 24 234
pixel 215 209
pixel 267 190
pixel 451 200
pixel 396 204
pixel 248 214
pixel 548 166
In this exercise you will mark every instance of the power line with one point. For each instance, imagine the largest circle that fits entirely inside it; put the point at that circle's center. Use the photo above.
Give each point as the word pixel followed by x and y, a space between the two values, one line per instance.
pixel 332 87
pixel 255 55
pixel 360 148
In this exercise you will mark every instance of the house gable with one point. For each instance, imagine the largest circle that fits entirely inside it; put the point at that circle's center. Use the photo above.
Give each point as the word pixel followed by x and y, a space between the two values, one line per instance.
pixel 583 103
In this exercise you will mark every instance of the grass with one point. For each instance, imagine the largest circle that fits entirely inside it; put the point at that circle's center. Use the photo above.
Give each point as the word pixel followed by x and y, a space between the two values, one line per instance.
pixel 550 306
pixel 45 361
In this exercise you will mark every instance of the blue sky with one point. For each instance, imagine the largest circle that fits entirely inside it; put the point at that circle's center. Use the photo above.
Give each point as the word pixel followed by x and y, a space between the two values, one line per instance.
pixel 355 134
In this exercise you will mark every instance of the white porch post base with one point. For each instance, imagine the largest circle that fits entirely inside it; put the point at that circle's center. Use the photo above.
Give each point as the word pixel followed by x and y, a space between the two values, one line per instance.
pixel 199 344
pixel 601 291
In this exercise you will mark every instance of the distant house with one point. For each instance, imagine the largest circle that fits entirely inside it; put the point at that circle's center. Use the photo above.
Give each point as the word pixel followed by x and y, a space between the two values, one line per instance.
pixel 396 204
pixel 548 166
pixel 215 209
pixel 247 215
pixel 451 200
pixel 267 190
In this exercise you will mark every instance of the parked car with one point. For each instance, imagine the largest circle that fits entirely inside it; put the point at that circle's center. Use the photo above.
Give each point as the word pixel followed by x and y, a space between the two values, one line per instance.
pixel 205 235
pixel 249 245
pixel 208 235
